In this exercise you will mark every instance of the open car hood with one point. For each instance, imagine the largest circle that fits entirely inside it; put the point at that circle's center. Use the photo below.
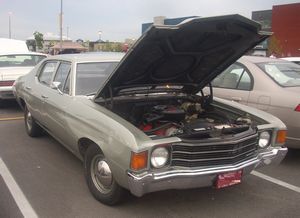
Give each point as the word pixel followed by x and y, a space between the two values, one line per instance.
pixel 190 54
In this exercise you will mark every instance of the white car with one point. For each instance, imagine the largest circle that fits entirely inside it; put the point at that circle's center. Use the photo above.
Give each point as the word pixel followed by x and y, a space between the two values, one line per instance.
pixel 12 66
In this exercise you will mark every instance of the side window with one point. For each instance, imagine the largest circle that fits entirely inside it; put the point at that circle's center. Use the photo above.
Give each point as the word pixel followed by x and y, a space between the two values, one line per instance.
pixel 47 72
pixel 62 74
pixel 245 82
pixel 234 77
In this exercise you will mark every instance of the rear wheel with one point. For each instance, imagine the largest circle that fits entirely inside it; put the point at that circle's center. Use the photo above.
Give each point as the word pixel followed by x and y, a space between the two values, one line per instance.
pixel 99 177
pixel 32 128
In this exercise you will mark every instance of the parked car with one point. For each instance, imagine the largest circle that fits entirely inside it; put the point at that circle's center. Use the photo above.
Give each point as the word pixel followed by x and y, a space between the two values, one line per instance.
pixel 296 60
pixel 13 65
pixel 137 121
pixel 269 84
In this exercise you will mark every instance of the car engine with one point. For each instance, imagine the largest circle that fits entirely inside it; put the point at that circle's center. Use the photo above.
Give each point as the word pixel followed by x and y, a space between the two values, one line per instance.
pixel 182 118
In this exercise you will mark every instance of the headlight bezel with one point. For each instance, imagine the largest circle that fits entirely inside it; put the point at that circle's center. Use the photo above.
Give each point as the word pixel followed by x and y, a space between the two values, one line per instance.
pixel 168 157
pixel 269 132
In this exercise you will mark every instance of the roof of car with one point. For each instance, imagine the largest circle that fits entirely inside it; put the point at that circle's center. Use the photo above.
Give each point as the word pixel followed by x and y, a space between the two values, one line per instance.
pixel 259 59
pixel 292 58
pixel 22 53
pixel 87 57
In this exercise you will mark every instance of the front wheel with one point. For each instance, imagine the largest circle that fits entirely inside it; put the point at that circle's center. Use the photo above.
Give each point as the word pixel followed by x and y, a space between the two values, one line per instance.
pixel 99 177
pixel 32 128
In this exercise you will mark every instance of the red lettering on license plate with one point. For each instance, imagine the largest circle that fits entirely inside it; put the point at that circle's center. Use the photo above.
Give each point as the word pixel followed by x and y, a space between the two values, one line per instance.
pixel 229 179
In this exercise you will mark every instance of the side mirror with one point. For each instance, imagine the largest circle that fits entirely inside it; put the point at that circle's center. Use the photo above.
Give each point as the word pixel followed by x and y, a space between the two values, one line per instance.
pixel 55 85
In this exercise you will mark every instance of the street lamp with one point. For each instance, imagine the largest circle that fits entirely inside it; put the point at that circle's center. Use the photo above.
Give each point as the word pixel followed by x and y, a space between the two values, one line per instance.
pixel 61 23
pixel 99 33
pixel 9 24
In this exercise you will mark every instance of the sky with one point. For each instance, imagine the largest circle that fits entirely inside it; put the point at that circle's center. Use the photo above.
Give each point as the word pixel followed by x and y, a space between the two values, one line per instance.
pixel 116 19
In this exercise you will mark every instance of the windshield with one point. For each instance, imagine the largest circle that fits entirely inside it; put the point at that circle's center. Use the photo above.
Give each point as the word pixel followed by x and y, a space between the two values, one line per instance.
pixel 20 60
pixel 91 76
pixel 285 74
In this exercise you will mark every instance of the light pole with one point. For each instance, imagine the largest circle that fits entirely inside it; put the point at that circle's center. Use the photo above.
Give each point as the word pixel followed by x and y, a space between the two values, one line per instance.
pixel 100 33
pixel 9 24
pixel 61 23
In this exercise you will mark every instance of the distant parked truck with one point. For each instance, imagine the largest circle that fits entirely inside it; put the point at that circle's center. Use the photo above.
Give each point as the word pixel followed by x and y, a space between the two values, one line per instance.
pixel 12 45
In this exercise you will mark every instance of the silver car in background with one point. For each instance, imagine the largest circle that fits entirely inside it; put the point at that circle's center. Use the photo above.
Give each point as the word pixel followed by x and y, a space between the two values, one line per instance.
pixel 269 84
pixel 138 122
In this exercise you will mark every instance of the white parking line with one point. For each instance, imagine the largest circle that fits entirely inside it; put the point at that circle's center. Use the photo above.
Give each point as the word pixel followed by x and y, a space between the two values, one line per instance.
pixel 276 181
pixel 16 192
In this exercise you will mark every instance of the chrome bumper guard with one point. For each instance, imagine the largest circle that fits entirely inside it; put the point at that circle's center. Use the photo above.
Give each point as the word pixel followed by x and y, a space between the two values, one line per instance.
pixel 140 184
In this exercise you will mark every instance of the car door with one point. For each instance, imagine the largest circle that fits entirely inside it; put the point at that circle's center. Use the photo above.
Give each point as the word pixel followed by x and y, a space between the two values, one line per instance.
pixel 36 90
pixel 234 84
pixel 58 100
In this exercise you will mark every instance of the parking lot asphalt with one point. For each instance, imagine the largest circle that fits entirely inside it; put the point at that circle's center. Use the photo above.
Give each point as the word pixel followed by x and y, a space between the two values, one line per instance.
pixel 51 182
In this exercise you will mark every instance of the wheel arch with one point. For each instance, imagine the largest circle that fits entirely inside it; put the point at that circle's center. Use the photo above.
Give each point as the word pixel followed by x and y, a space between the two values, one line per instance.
pixel 22 103
pixel 84 143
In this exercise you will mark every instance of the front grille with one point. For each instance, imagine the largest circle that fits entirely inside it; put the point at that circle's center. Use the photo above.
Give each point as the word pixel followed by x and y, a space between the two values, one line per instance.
pixel 214 154
pixel 7 82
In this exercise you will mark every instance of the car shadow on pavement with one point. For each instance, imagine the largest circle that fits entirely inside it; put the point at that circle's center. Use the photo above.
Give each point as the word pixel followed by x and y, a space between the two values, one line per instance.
pixel 292 157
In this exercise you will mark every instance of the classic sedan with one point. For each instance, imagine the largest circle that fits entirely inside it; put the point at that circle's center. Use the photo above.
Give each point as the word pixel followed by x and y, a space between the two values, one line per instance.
pixel 137 121
pixel 269 84
pixel 13 65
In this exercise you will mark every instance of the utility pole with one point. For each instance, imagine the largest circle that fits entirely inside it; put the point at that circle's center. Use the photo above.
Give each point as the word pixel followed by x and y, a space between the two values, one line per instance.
pixel 67 32
pixel 61 23
pixel 9 24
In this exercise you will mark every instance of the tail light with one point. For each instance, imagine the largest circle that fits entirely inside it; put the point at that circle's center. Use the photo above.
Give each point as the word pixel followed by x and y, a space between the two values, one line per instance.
pixel 297 108
pixel 7 83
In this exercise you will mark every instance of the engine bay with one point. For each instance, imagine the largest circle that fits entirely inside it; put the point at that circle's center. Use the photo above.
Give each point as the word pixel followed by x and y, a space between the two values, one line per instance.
pixel 185 118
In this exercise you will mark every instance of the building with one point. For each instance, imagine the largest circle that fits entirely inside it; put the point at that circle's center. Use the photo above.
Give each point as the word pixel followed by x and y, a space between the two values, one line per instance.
pixel 161 20
pixel 284 22
pixel 50 40
pixel 286 28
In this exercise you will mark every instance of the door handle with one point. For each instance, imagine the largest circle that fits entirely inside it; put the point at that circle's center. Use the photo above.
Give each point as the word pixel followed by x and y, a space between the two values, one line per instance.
pixel 44 96
pixel 236 99
pixel 28 87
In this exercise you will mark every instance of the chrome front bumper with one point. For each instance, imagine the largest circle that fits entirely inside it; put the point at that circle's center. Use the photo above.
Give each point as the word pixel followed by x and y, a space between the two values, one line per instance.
pixel 140 184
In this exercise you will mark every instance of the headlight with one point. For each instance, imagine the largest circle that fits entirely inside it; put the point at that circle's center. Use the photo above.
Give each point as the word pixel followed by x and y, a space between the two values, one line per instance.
pixel 264 139
pixel 159 157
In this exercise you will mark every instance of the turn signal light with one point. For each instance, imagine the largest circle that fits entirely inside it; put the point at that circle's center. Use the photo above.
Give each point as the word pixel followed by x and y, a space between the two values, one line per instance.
pixel 139 160
pixel 281 136
pixel 297 108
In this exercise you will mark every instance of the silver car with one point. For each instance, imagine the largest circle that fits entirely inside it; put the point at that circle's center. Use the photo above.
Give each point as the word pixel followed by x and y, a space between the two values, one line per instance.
pixel 269 84
pixel 137 121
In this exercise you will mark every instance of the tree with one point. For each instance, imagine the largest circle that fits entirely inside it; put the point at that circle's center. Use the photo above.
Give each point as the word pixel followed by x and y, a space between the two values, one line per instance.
pixel 274 47
pixel 31 45
pixel 39 38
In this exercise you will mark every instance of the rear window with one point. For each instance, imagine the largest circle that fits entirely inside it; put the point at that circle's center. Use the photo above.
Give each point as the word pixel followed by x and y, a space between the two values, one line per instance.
pixel 20 60
pixel 91 76
pixel 286 74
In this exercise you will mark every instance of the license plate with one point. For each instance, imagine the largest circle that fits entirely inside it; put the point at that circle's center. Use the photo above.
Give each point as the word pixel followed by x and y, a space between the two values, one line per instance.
pixel 229 179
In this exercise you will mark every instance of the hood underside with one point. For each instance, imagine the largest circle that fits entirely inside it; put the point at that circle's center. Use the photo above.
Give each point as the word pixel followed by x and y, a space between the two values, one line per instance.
pixel 190 54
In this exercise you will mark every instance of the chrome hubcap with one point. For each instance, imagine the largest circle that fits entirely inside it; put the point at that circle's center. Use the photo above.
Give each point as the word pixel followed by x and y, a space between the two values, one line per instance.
pixel 101 174
pixel 29 120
